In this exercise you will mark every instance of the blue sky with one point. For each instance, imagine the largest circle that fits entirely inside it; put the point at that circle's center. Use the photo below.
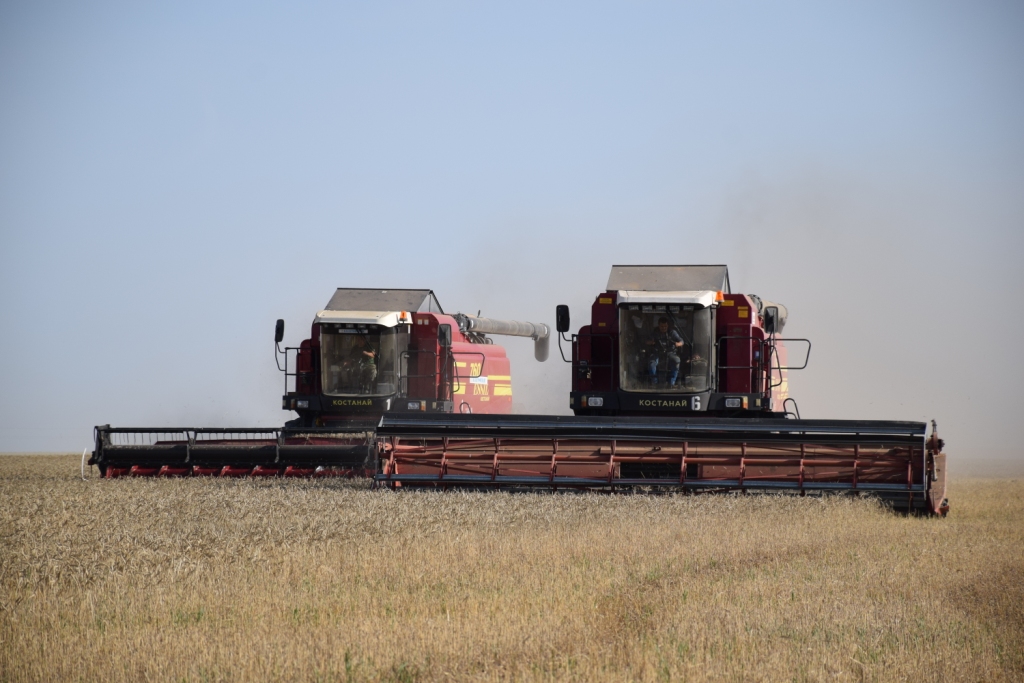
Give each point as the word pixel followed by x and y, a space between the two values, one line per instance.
pixel 174 178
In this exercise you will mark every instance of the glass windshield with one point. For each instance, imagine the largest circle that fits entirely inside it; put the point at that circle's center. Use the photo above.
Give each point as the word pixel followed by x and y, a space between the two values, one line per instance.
pixel 664 347
pixel 360 362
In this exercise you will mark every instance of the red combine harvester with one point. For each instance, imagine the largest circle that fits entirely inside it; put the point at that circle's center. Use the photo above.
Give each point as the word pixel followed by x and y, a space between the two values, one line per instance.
pixel 370 352
pixel 676 383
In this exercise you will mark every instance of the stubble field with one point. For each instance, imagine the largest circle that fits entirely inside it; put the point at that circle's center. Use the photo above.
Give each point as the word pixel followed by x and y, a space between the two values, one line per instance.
pixel 237 580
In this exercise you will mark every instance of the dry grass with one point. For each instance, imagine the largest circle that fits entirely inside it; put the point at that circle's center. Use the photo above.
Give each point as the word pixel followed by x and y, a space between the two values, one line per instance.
pixel 208 580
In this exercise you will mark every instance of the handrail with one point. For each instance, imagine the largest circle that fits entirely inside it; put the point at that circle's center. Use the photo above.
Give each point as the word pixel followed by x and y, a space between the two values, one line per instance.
pixel 807 358
pixel 287 374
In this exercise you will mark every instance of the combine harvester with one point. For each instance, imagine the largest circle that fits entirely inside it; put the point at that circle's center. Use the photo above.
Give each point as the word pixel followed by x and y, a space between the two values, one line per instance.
pixel 370 352
pixel 677 383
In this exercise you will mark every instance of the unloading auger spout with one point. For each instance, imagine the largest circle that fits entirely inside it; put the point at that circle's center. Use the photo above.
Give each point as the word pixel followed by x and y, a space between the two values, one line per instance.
pixel 474 325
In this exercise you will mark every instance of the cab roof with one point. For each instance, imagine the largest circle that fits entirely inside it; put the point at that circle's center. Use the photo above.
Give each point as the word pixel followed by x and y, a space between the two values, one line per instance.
pixel 693 278
pixel 362 299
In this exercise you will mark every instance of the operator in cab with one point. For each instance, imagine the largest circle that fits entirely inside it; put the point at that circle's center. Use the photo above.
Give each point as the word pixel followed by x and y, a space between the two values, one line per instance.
pixel 359 369
pixel 667 345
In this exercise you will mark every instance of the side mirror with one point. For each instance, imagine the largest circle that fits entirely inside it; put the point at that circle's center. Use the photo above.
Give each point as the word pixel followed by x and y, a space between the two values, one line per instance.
pixel 562 318
pixel 444 336
pixel 771 319
pixel 279 331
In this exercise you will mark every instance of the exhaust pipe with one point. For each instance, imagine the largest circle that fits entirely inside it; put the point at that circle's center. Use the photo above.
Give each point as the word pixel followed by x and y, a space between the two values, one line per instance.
pixel 539 332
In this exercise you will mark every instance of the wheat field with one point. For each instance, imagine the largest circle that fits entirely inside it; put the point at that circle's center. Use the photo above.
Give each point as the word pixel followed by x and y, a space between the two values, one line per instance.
pixel 239 580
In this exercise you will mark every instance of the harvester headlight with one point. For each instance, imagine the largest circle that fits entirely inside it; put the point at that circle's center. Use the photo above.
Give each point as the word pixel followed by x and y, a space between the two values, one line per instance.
pixel 302 405
pixel 595 401
pixel 736 402
pixel 413 405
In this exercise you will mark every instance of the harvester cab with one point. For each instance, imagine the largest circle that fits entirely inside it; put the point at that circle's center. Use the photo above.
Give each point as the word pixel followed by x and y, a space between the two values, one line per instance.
pixel 375 351
pixel 675 340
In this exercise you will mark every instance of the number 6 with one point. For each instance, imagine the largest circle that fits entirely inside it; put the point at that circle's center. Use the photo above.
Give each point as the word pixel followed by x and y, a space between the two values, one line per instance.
pixel 696 402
